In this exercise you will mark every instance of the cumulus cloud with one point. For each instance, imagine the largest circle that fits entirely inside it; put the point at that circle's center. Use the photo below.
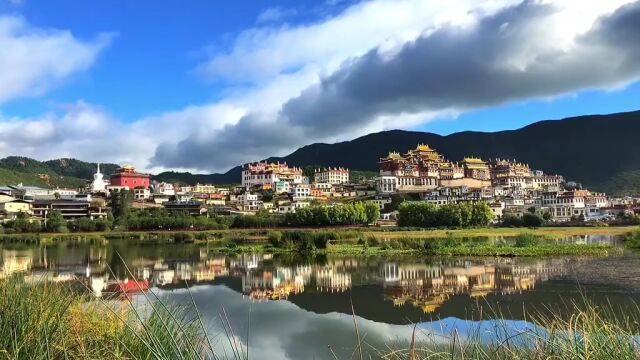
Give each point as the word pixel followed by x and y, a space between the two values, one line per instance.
pixel 81 131
pixel 531 50
pixel 275 14
pixel 379 64
pixel 264 52
pixel 34 59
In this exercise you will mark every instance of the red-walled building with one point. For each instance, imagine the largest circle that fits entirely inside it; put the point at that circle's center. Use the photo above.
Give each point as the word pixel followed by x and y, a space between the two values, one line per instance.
pixel 127 176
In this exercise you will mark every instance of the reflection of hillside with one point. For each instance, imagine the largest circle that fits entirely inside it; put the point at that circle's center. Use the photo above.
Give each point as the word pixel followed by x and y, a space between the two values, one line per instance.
pixel 429 286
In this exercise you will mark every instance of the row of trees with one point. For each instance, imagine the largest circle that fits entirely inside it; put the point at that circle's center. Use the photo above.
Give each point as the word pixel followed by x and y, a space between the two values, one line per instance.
pixel 159 219
pixel 460 215
pixel 358 213
pixel 55 222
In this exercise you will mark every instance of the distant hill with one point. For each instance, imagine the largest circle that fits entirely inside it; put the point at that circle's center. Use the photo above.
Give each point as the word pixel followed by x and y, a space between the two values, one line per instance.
pixel 600 151
pixel 593 150
pixel 63 173
pixel 191 179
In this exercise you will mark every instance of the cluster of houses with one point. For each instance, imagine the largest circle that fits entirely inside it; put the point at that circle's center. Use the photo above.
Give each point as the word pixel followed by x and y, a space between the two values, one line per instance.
pixel 509 186
pixel 422 174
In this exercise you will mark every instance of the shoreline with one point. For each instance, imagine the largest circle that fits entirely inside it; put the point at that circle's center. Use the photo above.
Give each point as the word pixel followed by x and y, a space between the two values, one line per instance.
pixel 390 232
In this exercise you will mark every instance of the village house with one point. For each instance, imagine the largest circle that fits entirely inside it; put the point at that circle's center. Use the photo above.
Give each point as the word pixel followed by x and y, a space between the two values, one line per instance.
pixel 331 175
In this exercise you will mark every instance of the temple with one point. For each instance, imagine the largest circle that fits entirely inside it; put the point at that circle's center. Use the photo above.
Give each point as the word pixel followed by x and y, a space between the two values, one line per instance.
pixel 128 176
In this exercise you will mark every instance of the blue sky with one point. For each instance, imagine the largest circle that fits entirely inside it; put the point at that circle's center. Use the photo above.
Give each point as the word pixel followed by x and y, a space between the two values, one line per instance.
pixel 179 84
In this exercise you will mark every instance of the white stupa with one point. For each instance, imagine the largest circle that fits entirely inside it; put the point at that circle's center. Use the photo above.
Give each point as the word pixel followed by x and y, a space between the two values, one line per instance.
pixel 98 184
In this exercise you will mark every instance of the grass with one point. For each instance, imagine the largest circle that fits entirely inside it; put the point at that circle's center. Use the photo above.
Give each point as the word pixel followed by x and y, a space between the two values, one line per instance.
pixel 51 321
pixel 591 332
pixel 463 242
pixel 550 232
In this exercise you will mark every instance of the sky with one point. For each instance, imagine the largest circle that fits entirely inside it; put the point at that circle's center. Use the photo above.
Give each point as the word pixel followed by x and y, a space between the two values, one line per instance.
pixel 203 85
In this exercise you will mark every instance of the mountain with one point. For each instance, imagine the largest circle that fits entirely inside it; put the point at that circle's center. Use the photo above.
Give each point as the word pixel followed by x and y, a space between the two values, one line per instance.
pixel 599 151
pixel 64 173
pixel 189 178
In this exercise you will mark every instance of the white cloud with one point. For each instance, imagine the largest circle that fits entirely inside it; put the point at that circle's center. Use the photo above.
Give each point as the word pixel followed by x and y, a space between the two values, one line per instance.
pixel 34 59
pixel 459 61
pixel 379 64
pixel 275 14
pixel 261 53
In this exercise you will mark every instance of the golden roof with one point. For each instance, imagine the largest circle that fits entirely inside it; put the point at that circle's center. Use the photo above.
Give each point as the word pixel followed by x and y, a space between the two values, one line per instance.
pixel 394 155
pixel 423 147
pixel 473 160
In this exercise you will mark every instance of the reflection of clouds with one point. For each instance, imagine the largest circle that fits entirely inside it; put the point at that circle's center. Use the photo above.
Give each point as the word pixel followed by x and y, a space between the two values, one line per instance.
pixel 282 330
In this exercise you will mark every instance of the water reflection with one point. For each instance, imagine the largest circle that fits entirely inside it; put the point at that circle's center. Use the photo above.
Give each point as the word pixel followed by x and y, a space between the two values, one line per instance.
pixel 425 284
pixel 299 305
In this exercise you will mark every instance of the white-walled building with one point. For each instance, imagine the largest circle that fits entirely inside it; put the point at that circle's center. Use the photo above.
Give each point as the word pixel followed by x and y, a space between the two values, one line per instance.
pixel 301 191
pixel 387 184
pixel 141 194
pixel 262 173
pixel 248 202
pixel 163 188
pixel 331 175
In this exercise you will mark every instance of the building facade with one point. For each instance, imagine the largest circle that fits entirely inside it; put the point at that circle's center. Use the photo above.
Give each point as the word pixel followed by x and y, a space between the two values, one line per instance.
pixel 129 177
pixel 331 175
pixel 262 173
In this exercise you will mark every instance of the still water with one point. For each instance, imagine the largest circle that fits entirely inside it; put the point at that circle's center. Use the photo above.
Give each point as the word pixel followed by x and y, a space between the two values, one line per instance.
pixel 295 306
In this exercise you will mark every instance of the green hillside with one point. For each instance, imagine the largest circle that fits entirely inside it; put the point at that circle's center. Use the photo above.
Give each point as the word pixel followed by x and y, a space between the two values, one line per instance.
pixel 625 183
pixel 12 177
pixel 63 173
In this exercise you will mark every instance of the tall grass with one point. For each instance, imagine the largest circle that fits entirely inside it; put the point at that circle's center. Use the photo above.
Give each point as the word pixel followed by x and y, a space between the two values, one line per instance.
pixel 53 321
pixel 590 332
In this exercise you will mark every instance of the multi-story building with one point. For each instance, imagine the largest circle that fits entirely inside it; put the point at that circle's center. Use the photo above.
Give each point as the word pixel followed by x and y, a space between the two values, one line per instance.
pixel 476 168
pixel 301 192
pixel 129 177
pixel 387 184
pixel 193 208
pixel 9 210
pixel 163 188
pixel 508 168
pixel 204 189
pixel 331 175
pixel 260 173
pixel 70 209
pixel 141 194
pixel 248 202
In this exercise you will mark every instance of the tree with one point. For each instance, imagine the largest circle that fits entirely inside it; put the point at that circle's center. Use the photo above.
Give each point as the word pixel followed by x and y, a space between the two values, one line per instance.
pixel 532 220
pixel 547 216
pixel 372 212
pixel 120 203
pixel 55 221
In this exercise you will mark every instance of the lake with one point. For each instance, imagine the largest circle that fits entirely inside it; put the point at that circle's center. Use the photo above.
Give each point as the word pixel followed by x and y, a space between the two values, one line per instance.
pixel 300 307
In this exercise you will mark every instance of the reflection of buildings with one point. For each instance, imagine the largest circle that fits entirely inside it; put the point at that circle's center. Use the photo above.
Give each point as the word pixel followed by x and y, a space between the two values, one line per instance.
pixel 426 285
pixel 429 286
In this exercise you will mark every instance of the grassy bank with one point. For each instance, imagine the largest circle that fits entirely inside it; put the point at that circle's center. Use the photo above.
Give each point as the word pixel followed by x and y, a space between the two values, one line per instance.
pixel 462 242
pixel 323 242
pixel 51 321
pixel 549 232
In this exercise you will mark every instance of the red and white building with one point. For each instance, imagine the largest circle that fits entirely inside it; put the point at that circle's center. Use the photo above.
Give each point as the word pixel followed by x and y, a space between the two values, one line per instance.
pixel 127 176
